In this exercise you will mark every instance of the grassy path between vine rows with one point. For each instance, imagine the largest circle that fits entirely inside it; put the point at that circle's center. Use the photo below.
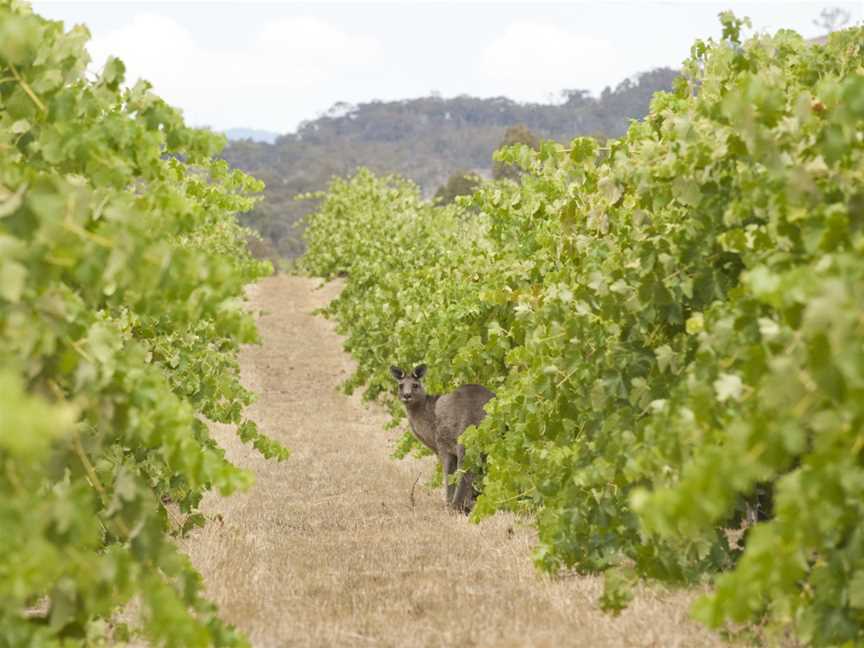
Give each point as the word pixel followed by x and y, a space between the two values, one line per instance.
pixel 327 549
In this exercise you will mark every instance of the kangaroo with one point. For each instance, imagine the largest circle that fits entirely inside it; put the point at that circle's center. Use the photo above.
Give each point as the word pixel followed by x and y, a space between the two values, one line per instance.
pixel 438 421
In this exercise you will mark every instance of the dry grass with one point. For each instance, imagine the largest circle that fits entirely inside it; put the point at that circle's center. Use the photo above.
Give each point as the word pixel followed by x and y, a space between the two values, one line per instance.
pixel 327 548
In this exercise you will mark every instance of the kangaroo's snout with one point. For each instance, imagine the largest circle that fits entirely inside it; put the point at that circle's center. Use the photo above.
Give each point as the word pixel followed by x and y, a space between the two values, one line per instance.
pixel 411 396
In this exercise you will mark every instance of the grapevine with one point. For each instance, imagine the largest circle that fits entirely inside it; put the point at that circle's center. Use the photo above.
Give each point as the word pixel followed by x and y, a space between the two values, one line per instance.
pixel 121 312
pixel 672 327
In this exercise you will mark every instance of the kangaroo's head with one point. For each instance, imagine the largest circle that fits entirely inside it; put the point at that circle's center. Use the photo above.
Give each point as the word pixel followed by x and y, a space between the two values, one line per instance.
pixel 410 388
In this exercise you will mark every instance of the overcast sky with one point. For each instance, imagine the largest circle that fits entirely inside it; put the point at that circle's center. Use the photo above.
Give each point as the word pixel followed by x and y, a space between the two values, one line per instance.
pixel 270 65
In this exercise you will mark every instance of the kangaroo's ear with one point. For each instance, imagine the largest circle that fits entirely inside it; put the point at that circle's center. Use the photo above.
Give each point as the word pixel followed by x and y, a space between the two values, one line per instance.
pixel 419 371
pixel 397 373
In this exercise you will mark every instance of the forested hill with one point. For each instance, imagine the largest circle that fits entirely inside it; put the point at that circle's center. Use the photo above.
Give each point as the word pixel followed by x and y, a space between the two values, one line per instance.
pixel 426 139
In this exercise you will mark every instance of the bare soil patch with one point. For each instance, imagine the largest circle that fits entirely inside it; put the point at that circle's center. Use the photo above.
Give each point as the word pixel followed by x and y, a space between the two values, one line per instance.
pixel 327 550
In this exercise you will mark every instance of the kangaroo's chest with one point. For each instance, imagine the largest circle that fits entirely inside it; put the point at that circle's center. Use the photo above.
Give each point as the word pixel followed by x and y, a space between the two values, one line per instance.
pixel 424 429
pixel 434 434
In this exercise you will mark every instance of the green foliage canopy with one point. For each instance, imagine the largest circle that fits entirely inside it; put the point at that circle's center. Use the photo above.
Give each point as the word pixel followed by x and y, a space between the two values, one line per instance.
pixel 121 312
pixel 668 328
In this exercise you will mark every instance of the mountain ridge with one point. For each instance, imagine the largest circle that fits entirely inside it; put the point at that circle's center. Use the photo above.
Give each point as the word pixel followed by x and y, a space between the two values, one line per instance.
pixel 426 139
